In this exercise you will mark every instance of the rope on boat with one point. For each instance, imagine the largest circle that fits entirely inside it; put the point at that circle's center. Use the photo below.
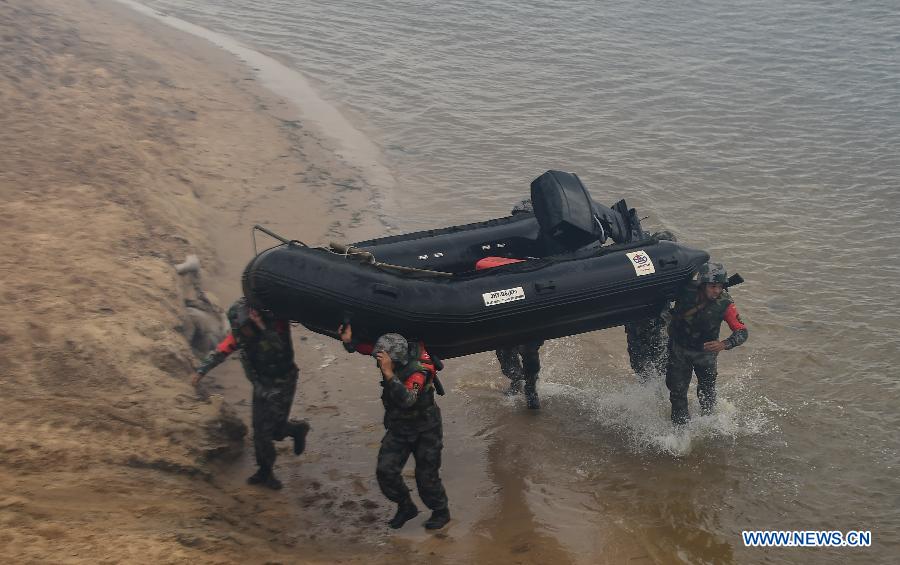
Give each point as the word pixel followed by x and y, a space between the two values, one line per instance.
pixel 367 257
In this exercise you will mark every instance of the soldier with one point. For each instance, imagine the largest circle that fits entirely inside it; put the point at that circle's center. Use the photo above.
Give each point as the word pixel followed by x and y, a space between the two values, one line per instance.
pixel 694 343
pixel 647 339
pixel 412 421
pixel 267 356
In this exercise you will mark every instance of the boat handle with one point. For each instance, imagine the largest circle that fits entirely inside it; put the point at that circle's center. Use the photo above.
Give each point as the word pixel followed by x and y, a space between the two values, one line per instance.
pixel 548 286
pixel 664 262
pixel 386 290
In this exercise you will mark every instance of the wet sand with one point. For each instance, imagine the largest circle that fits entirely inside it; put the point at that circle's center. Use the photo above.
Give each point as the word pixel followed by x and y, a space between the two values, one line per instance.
pixel 128 145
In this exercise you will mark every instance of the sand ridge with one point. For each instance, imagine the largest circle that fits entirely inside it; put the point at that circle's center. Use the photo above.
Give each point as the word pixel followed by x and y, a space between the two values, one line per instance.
pixel 122 154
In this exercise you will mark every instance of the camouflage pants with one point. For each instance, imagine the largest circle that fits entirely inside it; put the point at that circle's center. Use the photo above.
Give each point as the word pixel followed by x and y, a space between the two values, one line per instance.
pixel 647 347
pixel 682 363
pixel 425 448
pixel 271 407
pixel 521 362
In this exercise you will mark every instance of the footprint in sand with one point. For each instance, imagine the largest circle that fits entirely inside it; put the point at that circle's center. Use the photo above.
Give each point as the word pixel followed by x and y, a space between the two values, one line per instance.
pixel 327 360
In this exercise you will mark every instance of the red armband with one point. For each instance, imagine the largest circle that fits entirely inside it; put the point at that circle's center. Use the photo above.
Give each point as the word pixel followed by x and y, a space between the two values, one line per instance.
pixel 227 345
pixel 733 319
pixel 414 380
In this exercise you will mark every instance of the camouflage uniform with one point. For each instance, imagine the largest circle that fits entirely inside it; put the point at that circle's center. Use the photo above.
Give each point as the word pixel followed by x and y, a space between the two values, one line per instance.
pixel 414 426
pixel 267 356
pixel 691 327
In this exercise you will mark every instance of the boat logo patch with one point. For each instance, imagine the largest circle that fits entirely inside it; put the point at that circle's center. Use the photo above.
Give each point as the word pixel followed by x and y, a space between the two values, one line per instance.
pixel 503 296
pixel 642 263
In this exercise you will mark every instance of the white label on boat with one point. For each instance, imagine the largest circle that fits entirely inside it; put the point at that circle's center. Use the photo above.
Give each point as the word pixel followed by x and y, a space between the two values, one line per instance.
pixel 642 263
pixel 503 296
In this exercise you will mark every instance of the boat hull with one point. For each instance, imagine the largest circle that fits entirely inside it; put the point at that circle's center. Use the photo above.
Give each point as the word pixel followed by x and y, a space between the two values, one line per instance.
pixel 472 311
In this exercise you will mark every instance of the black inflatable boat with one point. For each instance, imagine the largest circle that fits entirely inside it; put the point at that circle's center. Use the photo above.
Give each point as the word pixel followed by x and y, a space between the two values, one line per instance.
pixel 425 286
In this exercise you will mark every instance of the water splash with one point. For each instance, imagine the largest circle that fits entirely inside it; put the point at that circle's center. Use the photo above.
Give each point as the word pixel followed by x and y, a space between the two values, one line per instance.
pixel 614 400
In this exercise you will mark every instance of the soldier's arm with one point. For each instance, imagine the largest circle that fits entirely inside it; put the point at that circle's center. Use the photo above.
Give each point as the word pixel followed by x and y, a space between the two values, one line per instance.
pixel 739 332
pixel 405 395
pixel 215 358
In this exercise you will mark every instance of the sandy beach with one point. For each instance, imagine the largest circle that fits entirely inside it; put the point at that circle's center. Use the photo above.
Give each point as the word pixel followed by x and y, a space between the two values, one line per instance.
pixel 129 145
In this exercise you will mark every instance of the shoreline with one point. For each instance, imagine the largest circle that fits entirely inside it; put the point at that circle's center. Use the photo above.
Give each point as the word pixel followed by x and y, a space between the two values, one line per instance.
pixel 346 141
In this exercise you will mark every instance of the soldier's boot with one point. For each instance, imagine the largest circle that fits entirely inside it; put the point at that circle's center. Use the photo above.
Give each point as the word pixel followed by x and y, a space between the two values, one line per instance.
pixel 406 511
pixel 680 414
pixel 515 387
pixel 438 520
pixel 260 476
pixel 707 396
pixel 272 482
pixel 299 434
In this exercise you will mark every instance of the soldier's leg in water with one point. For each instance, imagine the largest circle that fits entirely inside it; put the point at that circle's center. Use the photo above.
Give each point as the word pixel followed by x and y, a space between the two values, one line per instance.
pixel 657 348
pixel 427 454
pixel 635 346
pixel 264 429
pixel 531 368
pixel 646 347
pixel 660 355
pixel 392 456
pixel 511 367
pixel 678 380
pixel 705 366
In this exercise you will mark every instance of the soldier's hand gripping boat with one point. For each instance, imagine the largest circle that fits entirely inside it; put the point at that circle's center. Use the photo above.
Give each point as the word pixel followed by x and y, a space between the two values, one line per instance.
pixel 424 285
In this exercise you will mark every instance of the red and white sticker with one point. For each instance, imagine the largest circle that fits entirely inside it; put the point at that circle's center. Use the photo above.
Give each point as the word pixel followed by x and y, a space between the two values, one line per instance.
pixel 642 263
pixel 503 296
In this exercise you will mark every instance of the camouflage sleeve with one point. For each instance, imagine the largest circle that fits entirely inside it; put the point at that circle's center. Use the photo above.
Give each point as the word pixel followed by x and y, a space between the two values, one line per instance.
pixel 214 359
pixel 739 330
pixel 736 338
pixel 401 395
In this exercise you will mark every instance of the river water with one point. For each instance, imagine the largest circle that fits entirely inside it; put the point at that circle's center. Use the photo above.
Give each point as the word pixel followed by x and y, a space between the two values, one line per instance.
pixel 766 132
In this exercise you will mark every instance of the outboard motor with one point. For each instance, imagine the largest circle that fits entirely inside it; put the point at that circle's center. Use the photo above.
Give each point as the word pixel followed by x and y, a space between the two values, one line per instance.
pixel 568 215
